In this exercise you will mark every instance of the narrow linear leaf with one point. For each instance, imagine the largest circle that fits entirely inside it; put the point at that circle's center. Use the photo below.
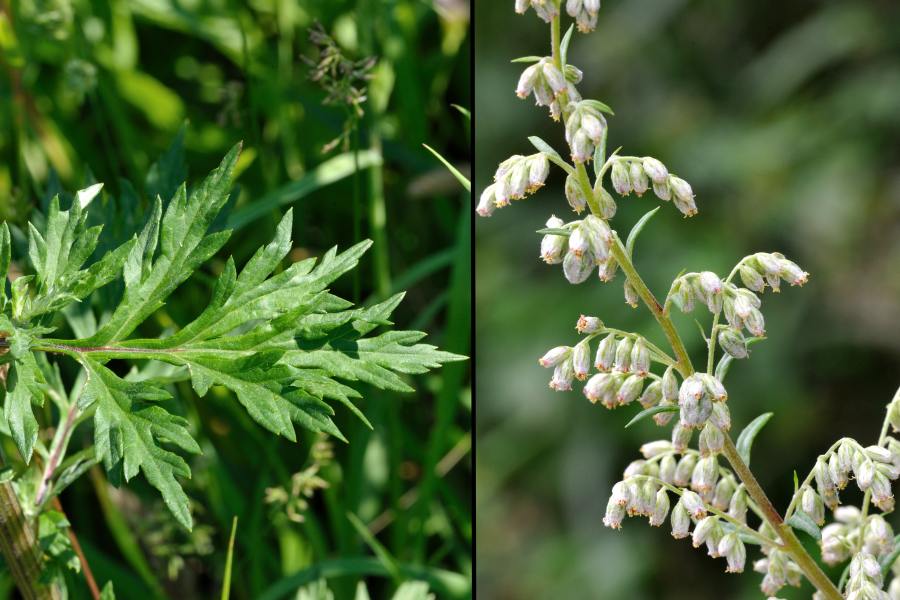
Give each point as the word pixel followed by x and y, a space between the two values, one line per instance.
pixel 888 561
pixel 649 412
pixel 802 521
pixel 465 111
pixel 745 439
pixel 527 59
pixel 229 560
pixel 554 231
pixel 552 154
pixel 459 176
pixel 564 45
pixel 638 228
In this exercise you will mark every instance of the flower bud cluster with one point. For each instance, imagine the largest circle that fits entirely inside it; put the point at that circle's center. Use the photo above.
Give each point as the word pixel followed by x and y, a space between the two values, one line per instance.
pixel 624 364
pixel 545 9
pixel 841 538
pixel 701 399
pixel 769 268
pixel 584 12
pixel 585 128
pixel 548 83
pixel 585 248
pixel 516 177
pixel 873 468
pixel 778 569
pixel 640 174
pixel 865 581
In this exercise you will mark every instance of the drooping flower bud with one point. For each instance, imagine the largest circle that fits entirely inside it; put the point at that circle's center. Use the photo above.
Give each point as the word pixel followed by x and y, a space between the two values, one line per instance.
pixel 607 271
pixel 670 385
pixel 724 491
pixel 538 170
pixel 585 128
pixel 667 469
pixel 621 182
pixel 599 386
pixel 563 374
pixel 640 358
pixel 606 354
pixel 652 395
pixel 683 196
pixel 720 416
pixel 606 203
pixel 553 246
pixel 577 268
pixel 811 503
pixel 638 178
pixel 652 449
pixel 751 278
pixel 581 359
pixel 587 324
pixel 682 295
pixel 737 509
pixel 574 195
pixel 555 356
pixel 545 9
pixel 680 520
pixel 655 170
pixel 584 12
pixel 712 440
pixel 660 508
pixel 734 551
pixel 487 202
pixel 615 513
pixel 755 323
pixel 705 475
pixel 704 528
pixel 623 355
pixel 630 389
pixel 663 418
pixel 733 342
pixel 631 296
pixel 686 465
pixel 681 437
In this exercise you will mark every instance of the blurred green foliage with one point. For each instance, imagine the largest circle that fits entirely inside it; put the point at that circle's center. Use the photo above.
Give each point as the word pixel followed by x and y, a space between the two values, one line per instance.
pixel 784 116
pixel 96 91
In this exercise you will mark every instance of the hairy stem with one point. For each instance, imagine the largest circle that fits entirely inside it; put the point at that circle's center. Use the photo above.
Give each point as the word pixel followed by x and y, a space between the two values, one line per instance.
pixel 20 548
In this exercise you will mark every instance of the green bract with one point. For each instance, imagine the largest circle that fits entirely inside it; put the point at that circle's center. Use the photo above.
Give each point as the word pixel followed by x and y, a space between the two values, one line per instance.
pixel 277 338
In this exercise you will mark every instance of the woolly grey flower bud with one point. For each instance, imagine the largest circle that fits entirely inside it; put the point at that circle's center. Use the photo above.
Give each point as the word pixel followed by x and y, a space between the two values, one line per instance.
pixel 574 194
pixel 838 474
pixel 724 491
pixel 598 387
pixel 733 342
pixel 635 467
pixel 662 419
pixel 734 551
pixel 712 439
pixel 714 387
pixel 623 356
pixel 487 202
pixel 619 494
pixel 607 271
pixel 879 454
pixel 553 246
pixel 667 467
pixel 640 358
pixel 755 323
pixel 563 374
pixel 599 237
pixel 737 508
pixel 655 170
pixel 879 537
pixel 615 512
pixel 638 178
pixel 573 74
pixel 705 475
pixel 682 295
pixel 682 191
pixel 751 278
pixel 631 297
pixel 527 80
pixel 630 389
pixel 577 268
pixel 703 530
pixel 882 497
pixel 660 508
pixel 584 12
pixel 685 467
pixel 607 204
pixel 662 191
pixel 681 437
pixel 812 505
pixel 680 520
pixel 620 180
pixel 581 359
pixel 822 476
pixel 652 395
pixel 555 356
pixel 651 449
pixel 538 170
pixel 694 401
pixel 579 241
pixel 588 324
pixel 593 124
pixel 545 9
pixel 670 385
pixel 865 475
pixel 606 353
pixel 581 146
pixel 720 416
pixel 790 272
pixel 554 78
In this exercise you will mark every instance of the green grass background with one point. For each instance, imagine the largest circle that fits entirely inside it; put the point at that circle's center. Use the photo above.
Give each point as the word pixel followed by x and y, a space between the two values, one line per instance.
pixel 232 71
pixel 785 117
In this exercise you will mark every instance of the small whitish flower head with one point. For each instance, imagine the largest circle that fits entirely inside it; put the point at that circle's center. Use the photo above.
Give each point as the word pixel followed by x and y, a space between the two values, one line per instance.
pixel 584 130
pixel 577 268
pixel 838 474
pixel 705 476
pixel 733 342
pixel 737 508
pixel 865 475
pixel 584 12
pixel 680 520
pixel 573 74
pixel 724 491
pixel 667 465
pixel 683 196
pixel 703 530
pixel 662 191
pixel 637 178
pixel 619 494
pixel 664 418
pixel 599 386
pixel 554 77
pixel 574 195
pixel 709 283
pixel 615 513
pixel 528 79
pixel 487 202
pixel 581 359
pixel 714 387
pixel 681 437
pixel 652 395
pixel 811 503
pixel 599 237
pixel 553 246
pixel 545 9
pixel 606 354
pixel 587 324
pixel 879 537
pixel 630 389
pixel 792 273
pixel 685 467
pixel 607 271
pixel 623 356
pixel 631 297
pixel 634 468
pixel 579 241
pixel 563 374
pixel 879 454
pixel 682 294
pixel 822 475
pixel 621 182
pixel 640 358
pixel 882 497
pixel 581 146
pixel 538 170
pixel 660 508
pixel 693 504
pixel 555 356
pixel 752 278
pixel 647 499
pixel 732 548
pixel 755 323
pixel 655 170
pixel 712 439
pixel 846 454
pixel 864 567
pixel 607 204
pixel 670 385
pixel 655 448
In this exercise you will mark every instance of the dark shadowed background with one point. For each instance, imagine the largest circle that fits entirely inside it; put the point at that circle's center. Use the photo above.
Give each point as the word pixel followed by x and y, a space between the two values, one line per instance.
pixel 785 117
